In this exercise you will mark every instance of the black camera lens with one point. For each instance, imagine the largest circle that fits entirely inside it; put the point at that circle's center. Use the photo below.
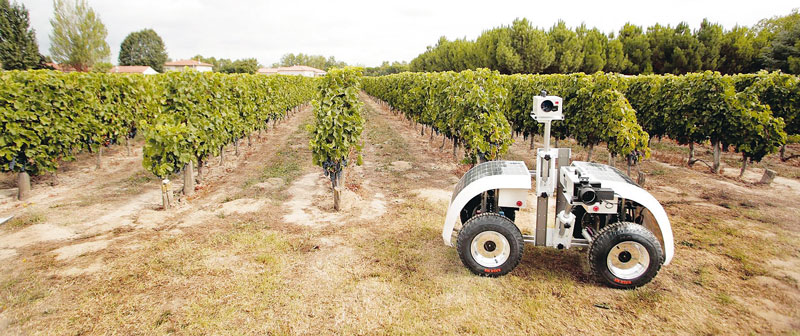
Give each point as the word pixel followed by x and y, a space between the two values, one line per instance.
pixel 587 195
pixel 547 105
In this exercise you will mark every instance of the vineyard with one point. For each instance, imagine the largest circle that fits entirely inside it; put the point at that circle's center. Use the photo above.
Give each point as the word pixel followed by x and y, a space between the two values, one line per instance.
pixel 257 243
pixel 184 117
pixel 623 112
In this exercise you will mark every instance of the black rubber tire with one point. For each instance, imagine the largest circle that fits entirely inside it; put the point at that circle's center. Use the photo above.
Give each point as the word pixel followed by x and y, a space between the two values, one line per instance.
pixel 489 222
pixel 614 234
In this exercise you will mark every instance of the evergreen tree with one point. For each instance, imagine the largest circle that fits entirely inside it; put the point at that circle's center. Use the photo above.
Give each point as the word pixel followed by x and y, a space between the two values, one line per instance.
pixel 637 50
pixel 615 56
pixel 738 51
pixel 18 48
pixel 595 44
pixel 710 36
pixel 567 46
pixel 783 53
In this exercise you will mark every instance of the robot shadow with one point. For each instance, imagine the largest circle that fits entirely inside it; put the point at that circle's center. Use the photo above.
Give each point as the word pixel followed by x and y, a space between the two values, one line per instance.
pixel 541 262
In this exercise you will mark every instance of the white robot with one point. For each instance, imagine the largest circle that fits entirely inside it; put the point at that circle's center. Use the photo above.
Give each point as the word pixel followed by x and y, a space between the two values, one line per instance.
pixel 626 230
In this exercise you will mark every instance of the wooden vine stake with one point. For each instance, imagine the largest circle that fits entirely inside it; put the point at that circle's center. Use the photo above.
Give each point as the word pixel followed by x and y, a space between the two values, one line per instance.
pixel 24 186
pixel 166 193
pixel 188 180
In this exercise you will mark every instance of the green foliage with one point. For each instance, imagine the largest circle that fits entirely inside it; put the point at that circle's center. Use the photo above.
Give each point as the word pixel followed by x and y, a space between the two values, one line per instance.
pixel 386 69
pixel 637 48
pixel 102 67
pixel 783 53
pixel 224 65
pixel 616 61
pixel 759 133
pixel 314 61
pixel 781 92
pixel 446 55
pixel 567 45
pixel 144 47
pixel 738 51
pixel 527 44
pixel 41 125
pixel 46 116
pixel 706 106
pixel 18 47
pixel 247 65
pixel 79 37
pixel 598 112
pixel 338 123
pixel 595 45
pixel 522 48
pixel 675 50
pixel 710 37
pixel 200 113
pixel 467 106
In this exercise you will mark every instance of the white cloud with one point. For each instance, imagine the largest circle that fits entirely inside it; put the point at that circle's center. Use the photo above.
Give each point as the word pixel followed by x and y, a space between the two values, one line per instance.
pixel 369 32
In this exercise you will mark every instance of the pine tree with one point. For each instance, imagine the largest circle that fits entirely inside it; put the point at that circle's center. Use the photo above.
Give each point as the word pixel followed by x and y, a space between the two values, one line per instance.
pixel 18 48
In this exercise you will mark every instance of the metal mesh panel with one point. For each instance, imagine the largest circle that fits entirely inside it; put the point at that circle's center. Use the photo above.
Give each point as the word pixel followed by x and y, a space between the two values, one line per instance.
pixel 490 168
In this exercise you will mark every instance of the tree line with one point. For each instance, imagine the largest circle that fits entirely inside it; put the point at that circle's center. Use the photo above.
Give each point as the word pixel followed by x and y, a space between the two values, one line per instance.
pixel 78 41
pixel 314 61
pixel 772 44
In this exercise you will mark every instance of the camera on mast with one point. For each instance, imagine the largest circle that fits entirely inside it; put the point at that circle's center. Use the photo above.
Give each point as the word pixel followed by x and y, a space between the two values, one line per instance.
pixel 547 108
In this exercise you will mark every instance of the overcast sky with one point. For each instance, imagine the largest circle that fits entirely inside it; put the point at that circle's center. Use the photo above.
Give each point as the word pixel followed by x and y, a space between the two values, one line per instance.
pixel 372 31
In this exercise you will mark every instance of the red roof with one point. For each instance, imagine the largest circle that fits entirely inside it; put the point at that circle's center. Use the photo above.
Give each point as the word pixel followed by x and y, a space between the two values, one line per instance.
pixel 187 63
pixel 129 69
pixel 62 67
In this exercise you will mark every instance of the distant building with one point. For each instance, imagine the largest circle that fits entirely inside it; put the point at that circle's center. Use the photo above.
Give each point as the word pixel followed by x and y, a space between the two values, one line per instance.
pixel 188 64
pixel 135 69
pixel 295 70
pixel 61 67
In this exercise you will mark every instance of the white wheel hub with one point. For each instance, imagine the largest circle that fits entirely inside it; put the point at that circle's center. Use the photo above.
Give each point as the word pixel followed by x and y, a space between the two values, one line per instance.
pixel 490 249
pixel 628 260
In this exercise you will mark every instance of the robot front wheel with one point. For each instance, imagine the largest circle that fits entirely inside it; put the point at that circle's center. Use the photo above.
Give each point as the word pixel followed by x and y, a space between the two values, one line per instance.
pixel 489 244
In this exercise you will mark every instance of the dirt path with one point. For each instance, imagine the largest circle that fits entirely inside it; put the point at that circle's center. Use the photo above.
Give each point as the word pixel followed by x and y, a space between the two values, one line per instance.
pixel 259 250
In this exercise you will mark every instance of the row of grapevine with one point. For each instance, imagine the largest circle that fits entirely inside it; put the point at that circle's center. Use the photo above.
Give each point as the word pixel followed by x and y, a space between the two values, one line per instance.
pixel 466 107
pixel 782 93
pixel 338 123
pixel 706 106
pixel 595 110
pixel 203 112
pixel 752 113
pixel 47 117
pixel 480 108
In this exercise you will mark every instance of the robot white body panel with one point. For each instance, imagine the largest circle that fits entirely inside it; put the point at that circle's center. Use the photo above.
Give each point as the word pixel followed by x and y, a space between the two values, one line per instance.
pixel 513 183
